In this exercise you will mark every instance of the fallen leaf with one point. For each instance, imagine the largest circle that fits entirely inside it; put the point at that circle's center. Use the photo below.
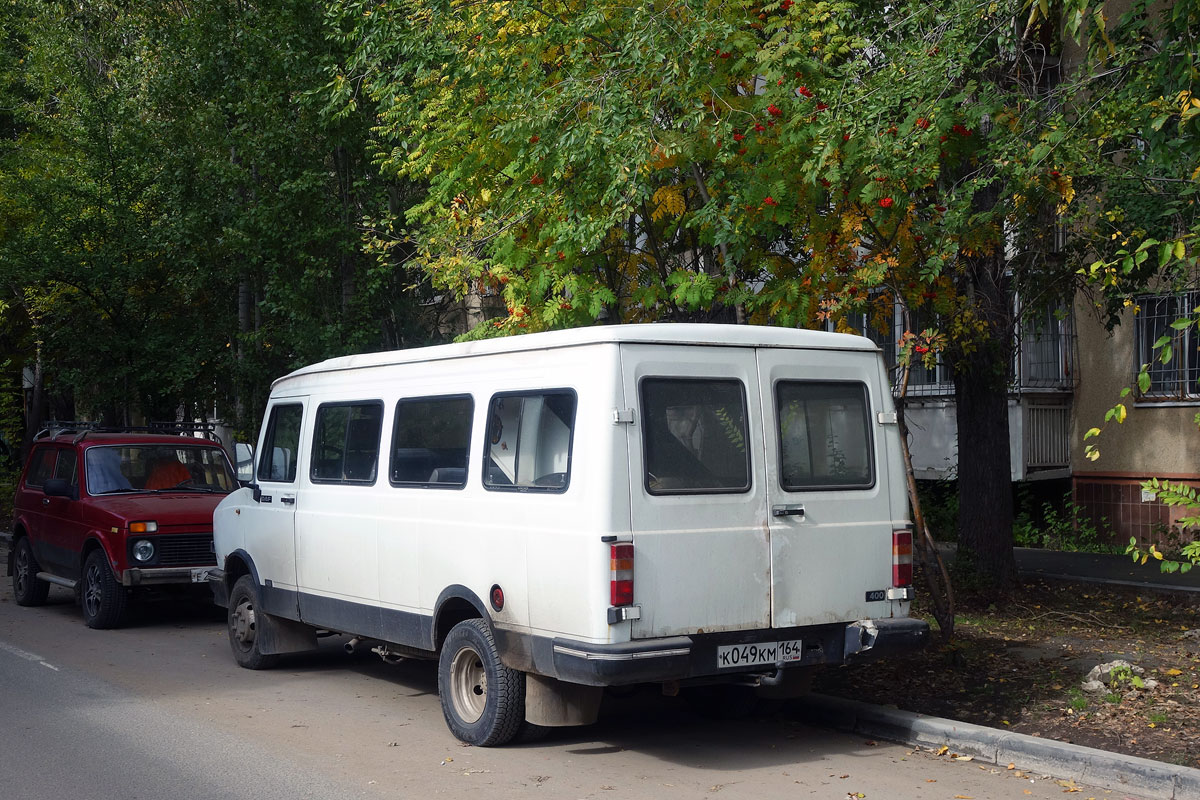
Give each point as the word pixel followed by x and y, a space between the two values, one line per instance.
pixel 964 758
pixel 963 797
pixel 1173 671
pixel 1012 766
pixel 944 749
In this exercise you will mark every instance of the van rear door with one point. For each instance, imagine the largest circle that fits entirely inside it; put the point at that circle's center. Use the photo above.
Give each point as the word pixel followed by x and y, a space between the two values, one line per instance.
pixel 830 522
pixel 698 505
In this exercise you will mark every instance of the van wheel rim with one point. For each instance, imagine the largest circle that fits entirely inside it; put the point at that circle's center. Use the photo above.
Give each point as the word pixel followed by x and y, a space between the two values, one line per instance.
pixel 468 685
pixel 242 624
pixel 92 590
pixel 21 570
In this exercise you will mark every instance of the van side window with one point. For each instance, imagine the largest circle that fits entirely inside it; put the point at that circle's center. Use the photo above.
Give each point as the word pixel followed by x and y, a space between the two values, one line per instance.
pixel 277 461
pixel 42 467
pixel 694 437
pixel 430 442
pixel 346 442
pixel 529 441
pixel 824 435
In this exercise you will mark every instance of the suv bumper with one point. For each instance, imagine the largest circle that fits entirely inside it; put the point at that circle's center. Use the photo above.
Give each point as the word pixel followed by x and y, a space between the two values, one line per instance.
pixel 685 657
pixel 163 575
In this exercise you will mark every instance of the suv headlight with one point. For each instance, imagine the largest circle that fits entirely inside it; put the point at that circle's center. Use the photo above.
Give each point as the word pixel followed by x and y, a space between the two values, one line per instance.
pixel 143 527
pixel 143 550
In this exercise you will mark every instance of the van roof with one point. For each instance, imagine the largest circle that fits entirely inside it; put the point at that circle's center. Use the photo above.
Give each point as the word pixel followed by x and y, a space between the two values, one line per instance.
pixel 676 333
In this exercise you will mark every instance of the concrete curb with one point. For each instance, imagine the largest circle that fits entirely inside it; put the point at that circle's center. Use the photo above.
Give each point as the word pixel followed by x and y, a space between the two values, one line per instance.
pixel 1152 779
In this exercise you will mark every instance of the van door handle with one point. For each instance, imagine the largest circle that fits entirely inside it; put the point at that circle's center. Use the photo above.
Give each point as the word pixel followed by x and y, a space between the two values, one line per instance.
pixel 288 501
pixel 787 511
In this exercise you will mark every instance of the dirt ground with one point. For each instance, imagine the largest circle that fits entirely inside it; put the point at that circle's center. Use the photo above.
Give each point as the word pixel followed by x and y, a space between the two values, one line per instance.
pixel 1019 665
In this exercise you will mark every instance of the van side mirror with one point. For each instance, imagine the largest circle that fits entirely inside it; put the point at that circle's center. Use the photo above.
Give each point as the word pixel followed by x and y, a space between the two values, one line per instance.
pixel 60 487
pixel 244 456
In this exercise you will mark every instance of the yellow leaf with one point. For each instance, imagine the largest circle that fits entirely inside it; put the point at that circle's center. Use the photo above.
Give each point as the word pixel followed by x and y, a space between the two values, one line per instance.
pixel 943 750
pixel 1173 671
pixel 1012 766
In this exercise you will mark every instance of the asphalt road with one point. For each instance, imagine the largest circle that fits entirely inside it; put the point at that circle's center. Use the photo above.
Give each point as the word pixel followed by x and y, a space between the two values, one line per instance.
pixel 159 710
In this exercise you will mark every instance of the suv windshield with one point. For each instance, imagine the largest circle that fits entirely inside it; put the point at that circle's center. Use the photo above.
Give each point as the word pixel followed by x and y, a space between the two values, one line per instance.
pixel 147 468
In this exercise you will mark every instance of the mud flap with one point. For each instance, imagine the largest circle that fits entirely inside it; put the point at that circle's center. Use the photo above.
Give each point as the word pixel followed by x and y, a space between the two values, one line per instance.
pixel 555 704
pixel 279 635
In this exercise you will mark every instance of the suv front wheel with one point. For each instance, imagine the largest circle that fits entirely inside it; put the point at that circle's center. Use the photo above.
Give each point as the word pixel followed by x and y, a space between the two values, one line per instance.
pixel 104 600
pixel 28 589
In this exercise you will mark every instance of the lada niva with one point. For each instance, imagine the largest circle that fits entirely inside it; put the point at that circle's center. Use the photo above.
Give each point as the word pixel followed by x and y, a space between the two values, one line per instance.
pixel 108 513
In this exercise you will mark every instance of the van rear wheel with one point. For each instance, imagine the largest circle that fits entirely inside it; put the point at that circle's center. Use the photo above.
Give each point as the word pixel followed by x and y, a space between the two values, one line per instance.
pixel 483 700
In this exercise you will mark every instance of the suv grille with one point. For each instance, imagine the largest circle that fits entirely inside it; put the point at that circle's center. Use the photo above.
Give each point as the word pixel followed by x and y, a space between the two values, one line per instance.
pixel 193 549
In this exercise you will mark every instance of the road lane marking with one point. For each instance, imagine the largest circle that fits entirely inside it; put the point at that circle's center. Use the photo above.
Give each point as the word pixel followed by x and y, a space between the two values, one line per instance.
pixel 25 654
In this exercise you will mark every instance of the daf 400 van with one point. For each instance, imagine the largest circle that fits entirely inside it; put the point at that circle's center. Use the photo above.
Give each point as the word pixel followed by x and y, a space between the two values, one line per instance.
pixel 550 514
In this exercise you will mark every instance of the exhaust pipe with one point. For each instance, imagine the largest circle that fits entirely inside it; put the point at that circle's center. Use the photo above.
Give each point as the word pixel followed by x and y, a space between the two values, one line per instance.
pixel 356 644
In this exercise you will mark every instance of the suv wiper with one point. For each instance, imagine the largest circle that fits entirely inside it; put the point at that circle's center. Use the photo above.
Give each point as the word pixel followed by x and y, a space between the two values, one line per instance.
pixel 123 491
pixel 201 489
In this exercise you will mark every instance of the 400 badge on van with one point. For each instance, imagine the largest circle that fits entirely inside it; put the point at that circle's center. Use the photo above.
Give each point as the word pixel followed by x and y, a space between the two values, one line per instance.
pixel 555 513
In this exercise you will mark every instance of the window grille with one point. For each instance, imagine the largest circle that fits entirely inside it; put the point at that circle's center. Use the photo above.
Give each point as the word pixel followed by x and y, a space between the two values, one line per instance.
pixel 1179 378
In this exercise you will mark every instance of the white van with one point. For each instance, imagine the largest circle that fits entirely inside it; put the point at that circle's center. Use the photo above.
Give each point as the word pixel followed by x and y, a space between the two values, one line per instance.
pixel 554 513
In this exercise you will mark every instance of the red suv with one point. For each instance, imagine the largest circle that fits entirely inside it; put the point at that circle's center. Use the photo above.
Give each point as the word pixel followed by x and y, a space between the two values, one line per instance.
pixel 106 513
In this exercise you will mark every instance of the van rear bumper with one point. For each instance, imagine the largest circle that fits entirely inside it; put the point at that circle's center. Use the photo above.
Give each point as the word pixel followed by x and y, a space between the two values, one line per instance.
pixel 696 656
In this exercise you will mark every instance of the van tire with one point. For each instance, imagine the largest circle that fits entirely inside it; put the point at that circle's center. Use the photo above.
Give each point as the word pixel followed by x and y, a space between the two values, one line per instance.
pixel 28 589
pixel 483 701
pixel 242 623
pixel 103 600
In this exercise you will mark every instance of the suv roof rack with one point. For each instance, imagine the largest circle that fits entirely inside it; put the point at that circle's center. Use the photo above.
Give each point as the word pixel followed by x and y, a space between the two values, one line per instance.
pixel 55 428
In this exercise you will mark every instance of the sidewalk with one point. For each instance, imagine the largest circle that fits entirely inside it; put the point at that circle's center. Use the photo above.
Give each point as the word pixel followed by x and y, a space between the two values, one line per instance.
pixel 1120 570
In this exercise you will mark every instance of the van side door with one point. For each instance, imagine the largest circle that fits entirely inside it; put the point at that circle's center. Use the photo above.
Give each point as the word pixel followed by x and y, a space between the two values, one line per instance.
pixel 270 529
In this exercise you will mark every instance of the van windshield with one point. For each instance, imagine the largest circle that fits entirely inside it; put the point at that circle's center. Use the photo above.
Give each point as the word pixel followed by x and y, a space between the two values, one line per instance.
pixel 160 467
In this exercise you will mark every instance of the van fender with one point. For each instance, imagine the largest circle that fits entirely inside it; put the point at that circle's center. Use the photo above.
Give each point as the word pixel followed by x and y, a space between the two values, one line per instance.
pixel 455 604
pixel 276 602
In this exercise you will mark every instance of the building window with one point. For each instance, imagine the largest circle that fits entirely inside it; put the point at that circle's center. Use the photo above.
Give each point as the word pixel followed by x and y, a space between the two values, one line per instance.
pixel 1179 378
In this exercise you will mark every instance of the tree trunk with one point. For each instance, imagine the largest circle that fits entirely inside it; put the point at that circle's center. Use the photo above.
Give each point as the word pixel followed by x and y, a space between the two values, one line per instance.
pixel 981 382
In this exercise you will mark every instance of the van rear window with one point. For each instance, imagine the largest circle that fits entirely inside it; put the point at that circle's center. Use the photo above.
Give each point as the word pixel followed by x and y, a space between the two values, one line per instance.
pixel 695 436
pixel 529 441
pixel 431 441
pixel 824 435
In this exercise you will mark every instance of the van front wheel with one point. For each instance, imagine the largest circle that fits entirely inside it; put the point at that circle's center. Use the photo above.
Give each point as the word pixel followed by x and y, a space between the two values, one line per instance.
pixel 483 700
pixel 243 619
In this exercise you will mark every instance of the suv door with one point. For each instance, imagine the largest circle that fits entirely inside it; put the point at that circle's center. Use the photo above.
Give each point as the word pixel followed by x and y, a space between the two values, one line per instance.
pixel 31 503
pixel 63 527
pixel 827 480
pixel 270 524
pixel 702 558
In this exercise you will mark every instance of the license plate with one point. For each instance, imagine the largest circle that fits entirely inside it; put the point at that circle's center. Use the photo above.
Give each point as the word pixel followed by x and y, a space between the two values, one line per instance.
pixel 750 655
pixel 199 575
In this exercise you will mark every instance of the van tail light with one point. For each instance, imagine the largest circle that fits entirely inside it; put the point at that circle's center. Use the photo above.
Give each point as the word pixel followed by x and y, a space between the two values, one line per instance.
pixel 621 574
pixel 902 558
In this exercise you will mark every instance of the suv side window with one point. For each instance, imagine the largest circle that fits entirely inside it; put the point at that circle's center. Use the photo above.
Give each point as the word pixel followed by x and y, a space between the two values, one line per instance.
pixel 281 445
pixel 529 441
pixel 42 467
pixel 346 443
pixel 430 441
pixel 65 468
